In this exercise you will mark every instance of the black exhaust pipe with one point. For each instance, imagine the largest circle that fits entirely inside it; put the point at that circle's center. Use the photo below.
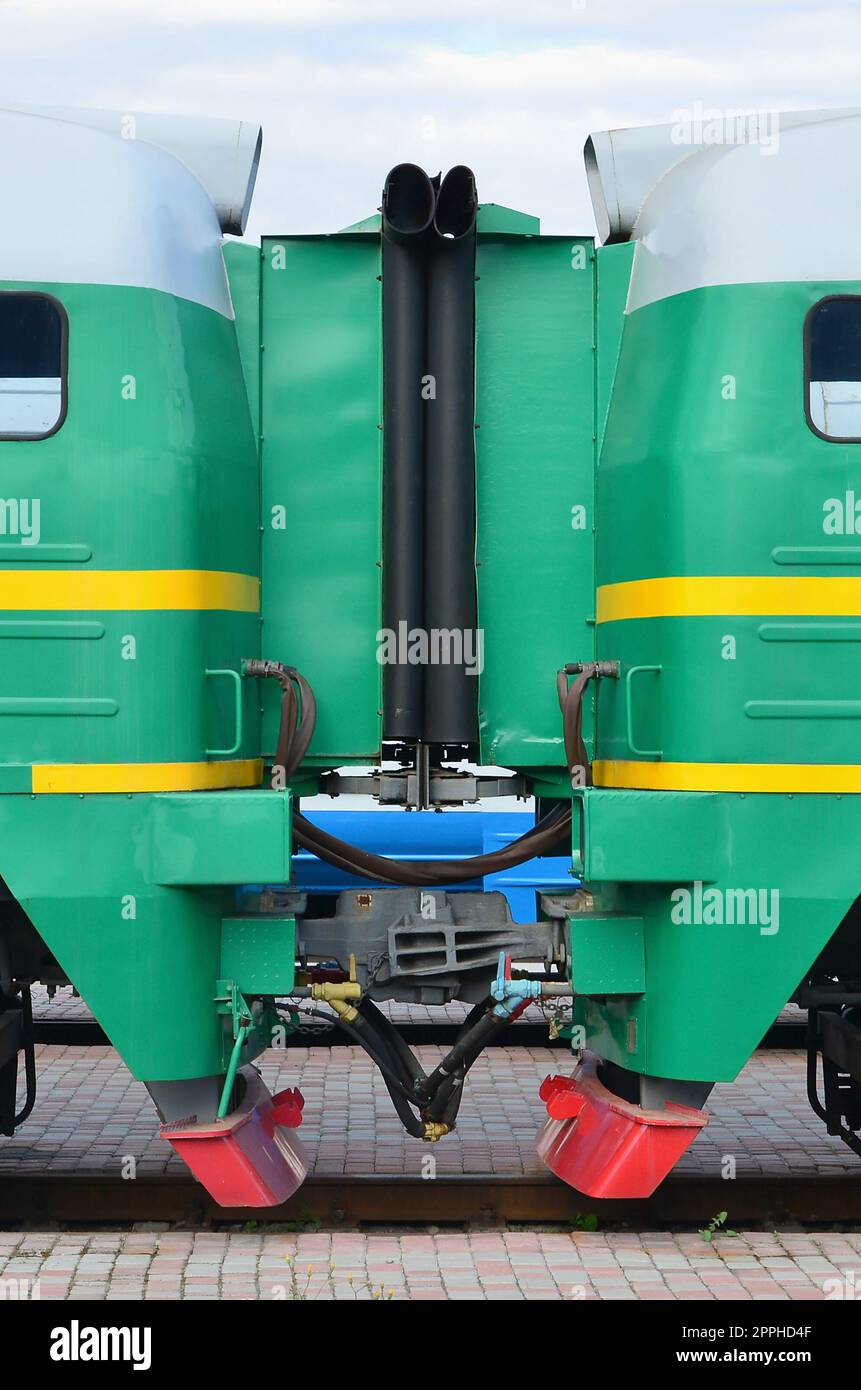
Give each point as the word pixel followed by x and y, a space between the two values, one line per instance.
pixel 451 694
pixel 409 199
pixel 429 233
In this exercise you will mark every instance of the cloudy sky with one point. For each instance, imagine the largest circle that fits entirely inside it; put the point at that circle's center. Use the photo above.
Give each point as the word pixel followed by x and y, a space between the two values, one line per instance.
pixel 346 88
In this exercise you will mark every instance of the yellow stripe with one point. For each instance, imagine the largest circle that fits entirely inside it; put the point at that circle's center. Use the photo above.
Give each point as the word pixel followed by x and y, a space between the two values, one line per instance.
pixel 729 777
pixel 700 596
pixel 146 777
pixel 79 590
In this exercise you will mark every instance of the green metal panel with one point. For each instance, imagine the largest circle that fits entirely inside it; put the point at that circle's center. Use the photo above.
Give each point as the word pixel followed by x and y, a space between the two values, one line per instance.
pixel 535 385
pixel 496 217
pixel 709 469
pixel 154 469
pixel 243 271
pixel 103 879
pixel 167 711
pixel 694 481
pixel 259 953
pixel 321 461
pixel 714 986
pixel 607 953
pixel 613 273
pixel 651 837
pixel 146 958
pixel 373 223
pixel 220 837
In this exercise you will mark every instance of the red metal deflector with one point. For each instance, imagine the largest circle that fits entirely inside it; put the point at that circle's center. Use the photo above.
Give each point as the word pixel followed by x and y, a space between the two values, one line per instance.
pixel 250 1158
pixel 605 1146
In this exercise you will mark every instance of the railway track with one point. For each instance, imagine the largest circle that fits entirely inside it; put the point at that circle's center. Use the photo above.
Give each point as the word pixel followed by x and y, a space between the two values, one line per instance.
pixel 88 1033
pixel 393 1200
pixel 685 1199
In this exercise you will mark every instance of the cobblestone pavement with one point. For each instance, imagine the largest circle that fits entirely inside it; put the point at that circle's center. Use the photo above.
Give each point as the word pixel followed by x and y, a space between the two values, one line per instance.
pixel 90 1115
pixel 512 1265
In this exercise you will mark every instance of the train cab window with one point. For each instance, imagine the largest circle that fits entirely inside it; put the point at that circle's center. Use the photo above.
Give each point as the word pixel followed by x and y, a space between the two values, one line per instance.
pixel 833 368
pixel 33 370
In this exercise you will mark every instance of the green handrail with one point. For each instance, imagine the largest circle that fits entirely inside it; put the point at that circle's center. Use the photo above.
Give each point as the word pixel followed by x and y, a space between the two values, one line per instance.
pixel 232 1068
pixel 629 713
pixel 237 691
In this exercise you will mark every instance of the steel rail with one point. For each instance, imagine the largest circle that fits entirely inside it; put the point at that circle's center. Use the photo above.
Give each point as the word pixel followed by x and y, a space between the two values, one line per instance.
pixel 86 1032
pixel 408 1200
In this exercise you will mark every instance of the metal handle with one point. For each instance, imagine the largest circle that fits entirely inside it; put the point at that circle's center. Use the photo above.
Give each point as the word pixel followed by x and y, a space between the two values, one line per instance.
pixel 237 692
pixel 629 713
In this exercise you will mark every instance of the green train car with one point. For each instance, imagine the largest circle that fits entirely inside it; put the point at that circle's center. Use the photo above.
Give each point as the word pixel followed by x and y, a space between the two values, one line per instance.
pixel 432 509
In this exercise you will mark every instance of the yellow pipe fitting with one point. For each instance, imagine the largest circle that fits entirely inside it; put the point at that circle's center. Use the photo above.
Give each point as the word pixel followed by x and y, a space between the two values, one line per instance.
pixel 348 989
pixel 434 1130
pixel 343 1009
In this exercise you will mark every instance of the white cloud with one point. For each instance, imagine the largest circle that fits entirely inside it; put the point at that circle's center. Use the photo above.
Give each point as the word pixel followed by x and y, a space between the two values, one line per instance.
pixel 304 14
pixel 346 88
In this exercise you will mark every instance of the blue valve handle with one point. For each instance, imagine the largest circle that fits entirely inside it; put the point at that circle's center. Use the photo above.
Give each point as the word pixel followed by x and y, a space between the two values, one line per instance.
pixel 510 994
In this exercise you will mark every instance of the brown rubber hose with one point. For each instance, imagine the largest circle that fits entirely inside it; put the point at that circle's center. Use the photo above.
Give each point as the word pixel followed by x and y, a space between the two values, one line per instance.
pixel 542 838
pixel 294 739
pixel 571 705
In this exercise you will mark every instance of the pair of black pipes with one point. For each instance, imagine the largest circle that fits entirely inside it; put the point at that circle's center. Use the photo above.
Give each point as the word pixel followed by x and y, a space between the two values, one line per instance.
pixel 429 228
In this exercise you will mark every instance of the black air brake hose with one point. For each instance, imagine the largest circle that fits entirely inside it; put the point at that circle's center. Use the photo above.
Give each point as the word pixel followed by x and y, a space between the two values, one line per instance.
pixel 388 1032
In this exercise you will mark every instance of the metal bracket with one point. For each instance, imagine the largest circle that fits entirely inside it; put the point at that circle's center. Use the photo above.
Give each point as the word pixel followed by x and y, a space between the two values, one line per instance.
pixel 404 788
pixel 608 669
pixel 229 1001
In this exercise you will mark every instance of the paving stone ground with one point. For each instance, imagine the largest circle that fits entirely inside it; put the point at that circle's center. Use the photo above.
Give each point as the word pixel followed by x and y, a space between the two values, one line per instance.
pixel 576 1266
pixel 90 1116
